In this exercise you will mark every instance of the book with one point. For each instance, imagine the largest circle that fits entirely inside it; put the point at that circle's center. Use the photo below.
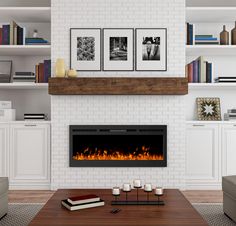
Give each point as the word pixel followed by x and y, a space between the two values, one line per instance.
pixel 13 30
pixel 83 199
pixel 195 71
pixel 6 34
pixel 71 207
pixel 20 35
pixel 25 73
pixel 41 73
pixel 0 36
pixel 47 70
pixel 205 39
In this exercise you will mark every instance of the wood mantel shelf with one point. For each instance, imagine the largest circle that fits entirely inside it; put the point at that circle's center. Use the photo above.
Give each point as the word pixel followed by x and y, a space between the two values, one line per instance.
pixel 118 86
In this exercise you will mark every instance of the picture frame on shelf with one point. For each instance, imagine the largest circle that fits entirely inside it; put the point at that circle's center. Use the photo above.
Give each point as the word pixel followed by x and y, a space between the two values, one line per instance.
pixel 118 49
pixel 151 49
pixel 85 49
pixel 208 109
pixel 5 71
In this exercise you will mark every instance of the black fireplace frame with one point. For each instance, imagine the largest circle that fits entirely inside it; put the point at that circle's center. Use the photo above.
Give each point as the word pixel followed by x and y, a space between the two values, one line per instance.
pixel 117 130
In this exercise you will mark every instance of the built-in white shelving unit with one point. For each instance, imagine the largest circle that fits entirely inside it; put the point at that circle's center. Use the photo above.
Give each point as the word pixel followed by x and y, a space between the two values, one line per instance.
pixel 33 15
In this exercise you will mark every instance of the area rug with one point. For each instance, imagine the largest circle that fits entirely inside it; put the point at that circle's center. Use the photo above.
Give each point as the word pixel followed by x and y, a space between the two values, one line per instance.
pixel 213 214
pixel 20 214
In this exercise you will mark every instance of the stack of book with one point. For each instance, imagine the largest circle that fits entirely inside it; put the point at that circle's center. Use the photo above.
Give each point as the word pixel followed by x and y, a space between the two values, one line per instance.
pixel 225 79
pixel 36 41
pixel 190 34
pixel 43 71
pixel 12 34
pixel 206 40
pixel 82 202
pixel 230 115
pixel 35 117
pixel 24 77
pixel 199 71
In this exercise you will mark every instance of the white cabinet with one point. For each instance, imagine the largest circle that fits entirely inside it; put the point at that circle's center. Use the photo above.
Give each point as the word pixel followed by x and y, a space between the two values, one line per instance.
pixel 203 170
pixel 30 155
pixel 4 149
pixel 228 149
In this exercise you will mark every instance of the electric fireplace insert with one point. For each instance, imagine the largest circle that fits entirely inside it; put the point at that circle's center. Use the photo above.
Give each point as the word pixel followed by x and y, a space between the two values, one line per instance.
pixel 118 146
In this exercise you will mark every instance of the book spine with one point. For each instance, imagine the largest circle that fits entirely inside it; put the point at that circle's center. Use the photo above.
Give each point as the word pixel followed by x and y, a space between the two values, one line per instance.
pixel 6 34
pixel 188 36
pixel 210 72
pixel 195 71
pixel 41 73
pixel 24 35
pixel 47 70
pixel 0 36
pixel 191 34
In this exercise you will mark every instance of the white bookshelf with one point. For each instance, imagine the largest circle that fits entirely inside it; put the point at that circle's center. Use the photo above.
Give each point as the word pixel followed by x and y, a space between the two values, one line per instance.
pixel 24 86
pixel 210 14
pixel 25 50
pixel 212 86
pixel 26 14
pixel 210 50
pixel 27 97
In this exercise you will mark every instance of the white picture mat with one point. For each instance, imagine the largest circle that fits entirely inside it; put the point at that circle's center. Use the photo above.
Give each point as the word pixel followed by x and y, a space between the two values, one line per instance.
pixel 86 65
pixel 118 65
pixel 144 65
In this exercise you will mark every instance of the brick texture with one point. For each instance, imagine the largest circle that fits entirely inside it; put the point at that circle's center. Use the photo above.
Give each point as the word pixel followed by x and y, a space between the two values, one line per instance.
pixel 135 110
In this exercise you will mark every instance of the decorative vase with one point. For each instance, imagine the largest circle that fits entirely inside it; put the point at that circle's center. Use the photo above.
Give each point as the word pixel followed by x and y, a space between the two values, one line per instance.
pixel 72 73
pixel 233 35
pixel 60 69
pixel 224 36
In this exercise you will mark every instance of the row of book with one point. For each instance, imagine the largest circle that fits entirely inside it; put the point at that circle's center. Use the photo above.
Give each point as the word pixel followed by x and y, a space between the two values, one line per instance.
pixel 41 75
pixel 230 115
pixel 13 34
pixel 225 79
pixel 82 202
pixel 35 117
pixel 201 39
pixel 199 71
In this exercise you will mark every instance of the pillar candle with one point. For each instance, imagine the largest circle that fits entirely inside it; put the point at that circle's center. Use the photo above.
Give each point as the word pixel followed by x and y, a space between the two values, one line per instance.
pixel 148 187
pixel 116 191
pixel 126 187
pixel 159 191
pixel 137 183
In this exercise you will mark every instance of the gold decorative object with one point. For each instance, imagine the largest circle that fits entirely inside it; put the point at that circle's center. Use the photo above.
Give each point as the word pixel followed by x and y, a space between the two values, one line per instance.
pixel 60 70
pixel 72 73
pixel 233 35
pixel 224 36
pixel 208 109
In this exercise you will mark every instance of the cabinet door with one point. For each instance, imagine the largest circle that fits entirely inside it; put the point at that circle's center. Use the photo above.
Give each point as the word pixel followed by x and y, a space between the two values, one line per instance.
pixel 4 149
pixel 228 133
pixel 203 168
pixel 30 154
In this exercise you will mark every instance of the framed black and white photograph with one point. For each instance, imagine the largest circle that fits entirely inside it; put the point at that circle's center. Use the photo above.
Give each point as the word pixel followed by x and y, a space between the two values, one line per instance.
pixel 151 49
pixel 118 47
pixel 85 49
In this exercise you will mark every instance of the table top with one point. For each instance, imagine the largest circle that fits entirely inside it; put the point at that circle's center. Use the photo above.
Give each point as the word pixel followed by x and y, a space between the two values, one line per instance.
pixel 176 211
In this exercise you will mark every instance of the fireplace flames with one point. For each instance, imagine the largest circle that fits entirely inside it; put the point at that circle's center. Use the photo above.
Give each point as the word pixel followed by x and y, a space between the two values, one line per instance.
pixel 99 154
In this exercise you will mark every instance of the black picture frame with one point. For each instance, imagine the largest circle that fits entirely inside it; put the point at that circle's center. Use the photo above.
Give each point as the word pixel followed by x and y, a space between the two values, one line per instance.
pixel 100 47
pixel 133 49
pixel 136 44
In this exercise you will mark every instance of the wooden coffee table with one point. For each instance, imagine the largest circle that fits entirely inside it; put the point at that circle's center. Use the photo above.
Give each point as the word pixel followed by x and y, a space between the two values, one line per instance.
pixel 176 211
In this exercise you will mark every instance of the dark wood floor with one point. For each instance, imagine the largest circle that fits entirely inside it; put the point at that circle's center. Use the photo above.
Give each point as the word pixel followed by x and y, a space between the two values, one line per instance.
pixel 43 196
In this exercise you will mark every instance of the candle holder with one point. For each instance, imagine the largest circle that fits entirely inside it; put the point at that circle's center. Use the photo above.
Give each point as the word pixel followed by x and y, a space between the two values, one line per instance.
pixel 126 195
pixel 148 195
pixel 137 188
pixel 116 197
pixel 160 202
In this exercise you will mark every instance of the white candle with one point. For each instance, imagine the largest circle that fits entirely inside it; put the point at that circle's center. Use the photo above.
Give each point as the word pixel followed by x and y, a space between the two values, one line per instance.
pixel 126 187
pixel 116 191
pixel 148 187
pixel 137 183
pixel 159 191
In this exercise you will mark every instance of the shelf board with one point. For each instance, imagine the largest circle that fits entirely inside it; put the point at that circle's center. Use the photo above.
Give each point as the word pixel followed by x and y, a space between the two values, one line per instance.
pixel 210 14
pixel 209 122
pixel 211 50
pixel 24 85
pixel 25 14
pixel 118 86
pixel 25 50
pixel 208 86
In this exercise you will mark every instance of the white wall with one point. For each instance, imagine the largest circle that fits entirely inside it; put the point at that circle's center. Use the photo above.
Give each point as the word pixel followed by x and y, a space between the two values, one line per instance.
pixel 136 110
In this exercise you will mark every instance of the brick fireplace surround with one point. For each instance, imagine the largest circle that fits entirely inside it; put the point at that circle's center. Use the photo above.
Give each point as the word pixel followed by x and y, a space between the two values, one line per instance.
pixel 119 110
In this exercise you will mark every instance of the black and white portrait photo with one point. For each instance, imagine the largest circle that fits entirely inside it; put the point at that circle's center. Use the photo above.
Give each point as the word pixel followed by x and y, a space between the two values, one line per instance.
pixel 118 48
pixel 85 49
pixel 151 48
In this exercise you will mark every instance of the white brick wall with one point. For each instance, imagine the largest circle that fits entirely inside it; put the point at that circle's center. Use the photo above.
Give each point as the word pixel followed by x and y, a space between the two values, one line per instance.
pixel 136 110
